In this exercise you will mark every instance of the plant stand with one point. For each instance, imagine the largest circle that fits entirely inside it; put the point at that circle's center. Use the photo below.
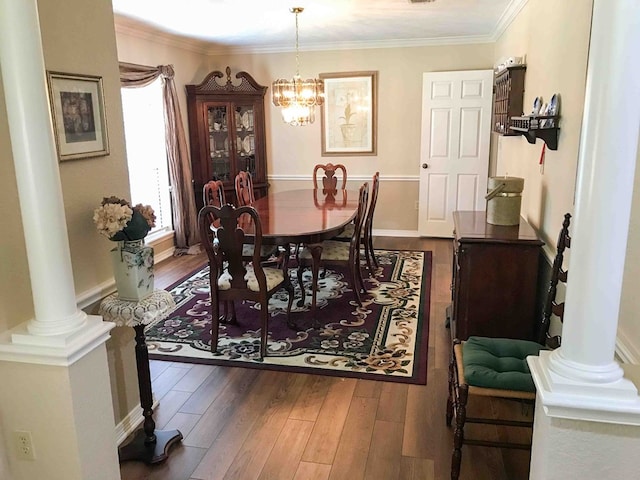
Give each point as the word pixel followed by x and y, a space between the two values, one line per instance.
pixel 149 445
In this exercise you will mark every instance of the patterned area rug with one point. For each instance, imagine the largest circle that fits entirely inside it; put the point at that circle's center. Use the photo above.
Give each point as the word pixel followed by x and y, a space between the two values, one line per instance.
pixel 385 339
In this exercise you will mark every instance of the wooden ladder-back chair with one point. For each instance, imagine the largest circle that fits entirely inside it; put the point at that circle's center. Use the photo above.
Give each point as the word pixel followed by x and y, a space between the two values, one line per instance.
pixel 497 367
pixel 230 277
pixel 329 184
pixel 341 253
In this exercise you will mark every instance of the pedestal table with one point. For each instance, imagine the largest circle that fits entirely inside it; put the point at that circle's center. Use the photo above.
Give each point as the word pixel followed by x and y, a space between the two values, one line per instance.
pixel 149 445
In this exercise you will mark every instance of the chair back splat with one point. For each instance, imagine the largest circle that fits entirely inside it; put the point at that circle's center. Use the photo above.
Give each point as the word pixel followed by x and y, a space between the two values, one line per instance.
pixel 497 367
pixel 329 180
pixel 244 189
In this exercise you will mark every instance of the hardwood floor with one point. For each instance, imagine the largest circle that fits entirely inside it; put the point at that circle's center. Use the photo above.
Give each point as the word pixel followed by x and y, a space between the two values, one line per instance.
pixel 250 424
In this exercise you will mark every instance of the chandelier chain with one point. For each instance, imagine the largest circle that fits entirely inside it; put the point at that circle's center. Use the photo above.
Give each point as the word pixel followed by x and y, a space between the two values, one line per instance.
pixel 297 53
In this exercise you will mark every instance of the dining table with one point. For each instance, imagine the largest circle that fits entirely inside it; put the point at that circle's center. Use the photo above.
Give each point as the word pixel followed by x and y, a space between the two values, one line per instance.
pixel 305 216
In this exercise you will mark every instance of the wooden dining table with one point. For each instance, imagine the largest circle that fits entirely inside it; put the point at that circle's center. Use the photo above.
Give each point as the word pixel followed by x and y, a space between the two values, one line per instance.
pixel 307 216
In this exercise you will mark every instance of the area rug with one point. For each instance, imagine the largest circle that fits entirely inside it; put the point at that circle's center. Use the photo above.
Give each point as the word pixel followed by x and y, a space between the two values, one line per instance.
pixel 384 339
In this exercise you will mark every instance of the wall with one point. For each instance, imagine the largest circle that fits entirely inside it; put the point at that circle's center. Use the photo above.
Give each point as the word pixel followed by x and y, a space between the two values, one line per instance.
pixel 554 36
pixel 629 323
pixel 293 151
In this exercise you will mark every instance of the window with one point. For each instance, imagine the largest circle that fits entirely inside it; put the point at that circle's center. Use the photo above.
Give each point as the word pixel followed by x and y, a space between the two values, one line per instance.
pixel 146 151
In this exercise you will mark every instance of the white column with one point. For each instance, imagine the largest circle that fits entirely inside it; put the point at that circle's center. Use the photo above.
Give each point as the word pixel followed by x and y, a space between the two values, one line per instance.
pixel 37 174
pixel 581 381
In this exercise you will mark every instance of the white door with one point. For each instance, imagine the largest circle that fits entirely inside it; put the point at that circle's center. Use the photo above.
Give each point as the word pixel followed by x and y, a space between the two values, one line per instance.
pixel 454 151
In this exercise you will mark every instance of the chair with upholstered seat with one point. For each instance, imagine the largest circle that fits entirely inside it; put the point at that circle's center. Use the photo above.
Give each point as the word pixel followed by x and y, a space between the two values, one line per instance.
pixel 246 197
pixel 367 228
pixel 497 367
pixel 244 189
pixel 230 276
pixel 341 253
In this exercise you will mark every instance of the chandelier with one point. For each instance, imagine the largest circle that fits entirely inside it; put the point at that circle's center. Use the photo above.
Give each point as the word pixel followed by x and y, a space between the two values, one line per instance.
pixel 297 97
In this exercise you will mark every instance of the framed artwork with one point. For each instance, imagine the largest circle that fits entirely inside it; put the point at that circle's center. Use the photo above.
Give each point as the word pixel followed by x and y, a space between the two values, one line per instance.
pixel 349 113
pixel 79 121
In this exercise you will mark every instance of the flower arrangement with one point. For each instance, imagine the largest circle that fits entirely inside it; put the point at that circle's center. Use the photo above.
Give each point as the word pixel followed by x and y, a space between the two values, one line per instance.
pixel 117 220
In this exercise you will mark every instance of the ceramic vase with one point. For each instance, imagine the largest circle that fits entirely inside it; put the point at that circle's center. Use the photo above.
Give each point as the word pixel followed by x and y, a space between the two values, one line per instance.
pixel 133 270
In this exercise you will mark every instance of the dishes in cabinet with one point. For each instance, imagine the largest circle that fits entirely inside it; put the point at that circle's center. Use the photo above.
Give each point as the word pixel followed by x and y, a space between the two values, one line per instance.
pixel 238 144
pixel 238 121
pixel 248 144
pixel 245 120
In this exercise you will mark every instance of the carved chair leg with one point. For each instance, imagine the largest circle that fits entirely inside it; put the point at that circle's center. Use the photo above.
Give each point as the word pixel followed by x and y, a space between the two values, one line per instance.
pixel 449 416
pixel 291 293
pixel 264 331
pixel 301 284
pixel 372 251
pixel 355 282
pixel 215 324
pixel 458 434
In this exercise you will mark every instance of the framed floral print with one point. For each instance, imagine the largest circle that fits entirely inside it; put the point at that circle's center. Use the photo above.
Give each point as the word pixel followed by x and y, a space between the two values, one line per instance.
pixel 349 113
pixel 79 120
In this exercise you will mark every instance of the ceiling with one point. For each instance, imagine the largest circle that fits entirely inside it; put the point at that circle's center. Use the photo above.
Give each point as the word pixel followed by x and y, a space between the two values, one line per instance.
pixel 225 26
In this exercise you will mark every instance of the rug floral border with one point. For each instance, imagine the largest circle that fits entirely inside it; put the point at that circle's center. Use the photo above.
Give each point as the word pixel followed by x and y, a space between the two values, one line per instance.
pixel 396 351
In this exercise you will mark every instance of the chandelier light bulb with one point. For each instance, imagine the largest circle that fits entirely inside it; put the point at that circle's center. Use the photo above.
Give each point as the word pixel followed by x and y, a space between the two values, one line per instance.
pixel 297 97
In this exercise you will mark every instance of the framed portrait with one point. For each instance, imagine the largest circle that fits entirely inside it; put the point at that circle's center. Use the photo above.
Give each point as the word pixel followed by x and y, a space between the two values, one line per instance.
pixel 79 120
pixel 349 113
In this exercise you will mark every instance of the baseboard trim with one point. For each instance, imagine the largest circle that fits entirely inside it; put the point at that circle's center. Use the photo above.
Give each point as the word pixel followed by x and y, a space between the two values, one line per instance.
pixel 130 423
pixel 625 349
pixel 395 233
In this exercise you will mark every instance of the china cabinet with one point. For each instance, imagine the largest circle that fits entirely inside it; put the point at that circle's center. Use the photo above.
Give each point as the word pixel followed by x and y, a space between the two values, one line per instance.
pixel 508 98
pixel 495 278
pixel 227 132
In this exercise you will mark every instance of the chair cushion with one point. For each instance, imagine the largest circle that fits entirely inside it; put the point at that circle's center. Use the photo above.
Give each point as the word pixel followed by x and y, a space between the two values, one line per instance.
pixel 347 233
pixel 274 276
pixel 499 363
pixel 265 250
pixel 331 250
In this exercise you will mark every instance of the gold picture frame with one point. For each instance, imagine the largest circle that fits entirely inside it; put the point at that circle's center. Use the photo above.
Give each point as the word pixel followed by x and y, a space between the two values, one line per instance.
pixel 79 120
pixel 349 113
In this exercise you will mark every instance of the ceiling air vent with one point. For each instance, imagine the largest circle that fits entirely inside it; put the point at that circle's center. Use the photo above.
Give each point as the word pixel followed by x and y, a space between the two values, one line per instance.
pixel 421 1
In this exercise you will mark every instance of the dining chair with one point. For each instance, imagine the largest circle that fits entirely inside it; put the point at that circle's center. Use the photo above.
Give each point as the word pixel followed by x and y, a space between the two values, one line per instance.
pixel 231 277
pixel 367 228
pixel 329 180
pixel 497 367
pixel 341 253
pixel 244 189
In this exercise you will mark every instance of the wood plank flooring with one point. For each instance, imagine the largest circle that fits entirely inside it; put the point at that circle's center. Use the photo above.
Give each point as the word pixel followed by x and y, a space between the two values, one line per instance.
pixel 246 424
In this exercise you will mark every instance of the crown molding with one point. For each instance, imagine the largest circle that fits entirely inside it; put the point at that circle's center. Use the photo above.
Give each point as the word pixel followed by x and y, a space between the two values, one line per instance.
pixel 510 13
pixel 124 26
pixel 355 45
pixel 127 27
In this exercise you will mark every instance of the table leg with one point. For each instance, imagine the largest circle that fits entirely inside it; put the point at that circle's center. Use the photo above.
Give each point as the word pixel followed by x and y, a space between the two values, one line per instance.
pixel 149 445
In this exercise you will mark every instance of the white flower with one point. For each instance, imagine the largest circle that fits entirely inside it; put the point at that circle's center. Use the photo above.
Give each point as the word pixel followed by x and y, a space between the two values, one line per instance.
pixel 111 218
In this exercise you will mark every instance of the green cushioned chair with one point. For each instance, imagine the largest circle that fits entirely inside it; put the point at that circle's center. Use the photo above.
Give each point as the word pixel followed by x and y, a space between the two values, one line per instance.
pixel 497 367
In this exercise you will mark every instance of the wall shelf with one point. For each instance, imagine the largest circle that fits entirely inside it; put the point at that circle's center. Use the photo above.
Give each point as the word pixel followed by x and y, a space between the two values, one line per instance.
pixel 537 126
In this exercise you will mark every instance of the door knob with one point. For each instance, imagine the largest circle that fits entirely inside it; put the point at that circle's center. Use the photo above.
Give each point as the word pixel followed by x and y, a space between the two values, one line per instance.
pixel 425 165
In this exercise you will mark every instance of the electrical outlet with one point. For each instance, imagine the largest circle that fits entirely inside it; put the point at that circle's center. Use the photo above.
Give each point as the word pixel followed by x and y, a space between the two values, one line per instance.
pixel 24 445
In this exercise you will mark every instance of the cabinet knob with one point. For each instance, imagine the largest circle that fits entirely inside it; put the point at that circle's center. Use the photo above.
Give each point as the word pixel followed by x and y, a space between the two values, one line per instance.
pixel 425 165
